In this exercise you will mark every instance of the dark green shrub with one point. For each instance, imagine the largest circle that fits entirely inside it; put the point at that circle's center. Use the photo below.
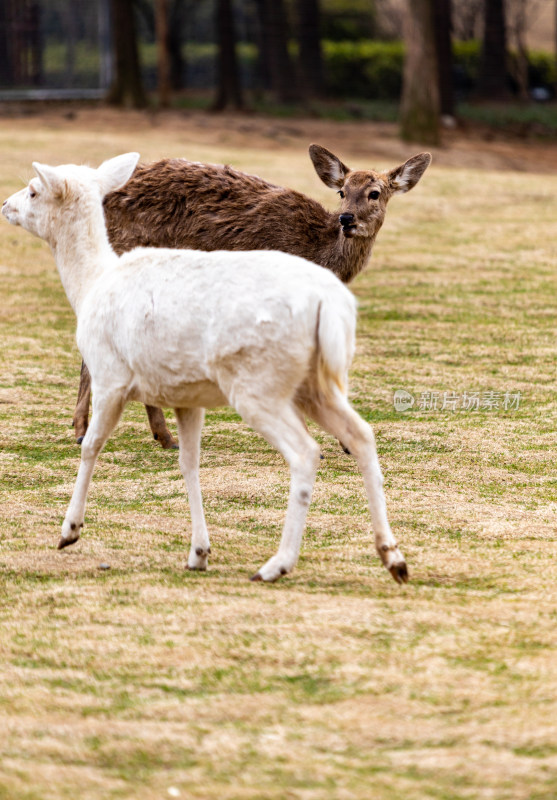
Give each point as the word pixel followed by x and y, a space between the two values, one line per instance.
pixel 364 69
pixel 542 70
pixel 373 69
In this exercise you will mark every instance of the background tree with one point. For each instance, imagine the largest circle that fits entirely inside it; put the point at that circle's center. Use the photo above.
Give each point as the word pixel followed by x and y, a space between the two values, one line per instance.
pixel 492 78
pixel 175 41
pixel 420 103
pixel 229 90
pixel 274 48
pixel 309 37
pixel 6 59
pixel 520 15
pixel 21 42
pixel 127 87
pixel 70 21
pixel 163 56
pixel 443 43
pixel 466 19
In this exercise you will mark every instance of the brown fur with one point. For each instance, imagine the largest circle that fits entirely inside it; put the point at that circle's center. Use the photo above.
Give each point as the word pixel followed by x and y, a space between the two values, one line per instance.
pixel 184 204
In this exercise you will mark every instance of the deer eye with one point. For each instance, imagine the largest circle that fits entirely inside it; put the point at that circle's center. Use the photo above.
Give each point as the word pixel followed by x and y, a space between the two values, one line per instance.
pixel 374 195
pixel 341 193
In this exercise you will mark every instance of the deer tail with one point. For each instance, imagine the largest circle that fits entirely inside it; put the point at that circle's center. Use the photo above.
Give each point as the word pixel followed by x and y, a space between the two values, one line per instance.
pixel 336 335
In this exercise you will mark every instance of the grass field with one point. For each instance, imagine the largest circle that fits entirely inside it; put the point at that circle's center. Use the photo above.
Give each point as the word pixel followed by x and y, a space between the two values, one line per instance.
pixel 147 681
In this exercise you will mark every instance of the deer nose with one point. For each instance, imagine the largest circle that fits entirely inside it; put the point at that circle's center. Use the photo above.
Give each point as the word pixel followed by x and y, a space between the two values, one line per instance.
pixel 346 220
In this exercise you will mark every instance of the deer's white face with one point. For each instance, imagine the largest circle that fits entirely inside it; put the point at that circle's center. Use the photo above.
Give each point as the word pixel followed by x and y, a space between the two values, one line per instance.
pixel 54 192
pixel 65 194
pixel 26 208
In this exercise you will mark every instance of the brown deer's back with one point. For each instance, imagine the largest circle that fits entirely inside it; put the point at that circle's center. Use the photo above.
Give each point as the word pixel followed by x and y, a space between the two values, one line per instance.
pixel 184 204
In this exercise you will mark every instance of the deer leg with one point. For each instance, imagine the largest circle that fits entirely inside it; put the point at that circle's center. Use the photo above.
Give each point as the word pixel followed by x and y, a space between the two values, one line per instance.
pixel 81 414
pixel 190 424
pixel 160 428
pixel 282 426
pixel 335 414
pixel 106 412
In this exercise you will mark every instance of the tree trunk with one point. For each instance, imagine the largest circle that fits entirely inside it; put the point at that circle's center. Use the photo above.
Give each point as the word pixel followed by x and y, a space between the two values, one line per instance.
pixel 555 44
pixel 420 104
pixel 229 90
pixel 177 60
pixel 127 87
pixel 492 79
pixel 163 57
pixel 311 60
pixel 279 65
pixel 70 35
pixel 443 31
pixel 518 62
pixel 6 40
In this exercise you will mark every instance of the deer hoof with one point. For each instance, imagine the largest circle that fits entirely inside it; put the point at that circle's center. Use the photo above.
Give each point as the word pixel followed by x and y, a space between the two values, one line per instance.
pixel 198 559
pixel 65 542
pixel 399 571
pixel 80 429
pixel 274 569
pixel 168 443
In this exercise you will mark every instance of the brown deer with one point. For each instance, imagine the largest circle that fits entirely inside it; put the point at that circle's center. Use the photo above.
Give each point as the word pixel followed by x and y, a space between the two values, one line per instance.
pixel 185 204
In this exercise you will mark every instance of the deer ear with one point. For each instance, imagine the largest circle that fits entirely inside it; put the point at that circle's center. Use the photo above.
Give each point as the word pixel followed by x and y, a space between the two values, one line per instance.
pixel 402 179
pixel 116 172
pixel 51 180
pixel 330 169
pixel 48 177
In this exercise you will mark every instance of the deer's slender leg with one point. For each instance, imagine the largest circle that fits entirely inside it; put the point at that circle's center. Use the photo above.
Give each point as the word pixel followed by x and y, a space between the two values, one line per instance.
pixel 282 426
pixel 160 428
pixel 335 414
pixel 81 413
pixel 190 424
pixel 107 410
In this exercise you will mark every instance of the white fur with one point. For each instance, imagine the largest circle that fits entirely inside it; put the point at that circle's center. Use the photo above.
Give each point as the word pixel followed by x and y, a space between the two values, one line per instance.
pixel 266 332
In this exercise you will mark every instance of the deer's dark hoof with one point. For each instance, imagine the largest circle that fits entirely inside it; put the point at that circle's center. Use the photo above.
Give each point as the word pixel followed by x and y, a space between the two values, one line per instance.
pixel 198 559
pixel 167 442
pixel 65 542
pixel 400 572
pixel 80 429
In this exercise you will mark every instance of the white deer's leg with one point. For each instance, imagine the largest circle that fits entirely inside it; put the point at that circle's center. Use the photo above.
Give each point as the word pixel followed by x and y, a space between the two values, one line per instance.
pixel 190 424
pixel 106 413
pixel 284 429
pixel 336 415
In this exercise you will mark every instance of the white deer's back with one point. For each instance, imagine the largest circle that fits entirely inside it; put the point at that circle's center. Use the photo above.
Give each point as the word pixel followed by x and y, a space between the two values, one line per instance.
pixel 171 318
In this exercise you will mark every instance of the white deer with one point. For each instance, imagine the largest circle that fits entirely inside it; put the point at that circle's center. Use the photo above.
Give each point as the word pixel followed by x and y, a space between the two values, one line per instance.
pixel 266 332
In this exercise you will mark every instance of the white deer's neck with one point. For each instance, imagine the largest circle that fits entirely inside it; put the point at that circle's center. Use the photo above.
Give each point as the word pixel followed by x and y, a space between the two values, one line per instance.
pixel 82 253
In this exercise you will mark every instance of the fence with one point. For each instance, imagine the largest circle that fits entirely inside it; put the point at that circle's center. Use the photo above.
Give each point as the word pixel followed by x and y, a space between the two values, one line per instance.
pixel 62 48
pixel 54 47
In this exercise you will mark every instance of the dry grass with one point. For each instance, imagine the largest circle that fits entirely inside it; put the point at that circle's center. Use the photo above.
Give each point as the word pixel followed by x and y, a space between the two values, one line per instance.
pixel 335 683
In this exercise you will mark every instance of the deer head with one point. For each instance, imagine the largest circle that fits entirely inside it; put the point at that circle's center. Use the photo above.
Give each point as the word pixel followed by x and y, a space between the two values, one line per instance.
pixel 365 193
